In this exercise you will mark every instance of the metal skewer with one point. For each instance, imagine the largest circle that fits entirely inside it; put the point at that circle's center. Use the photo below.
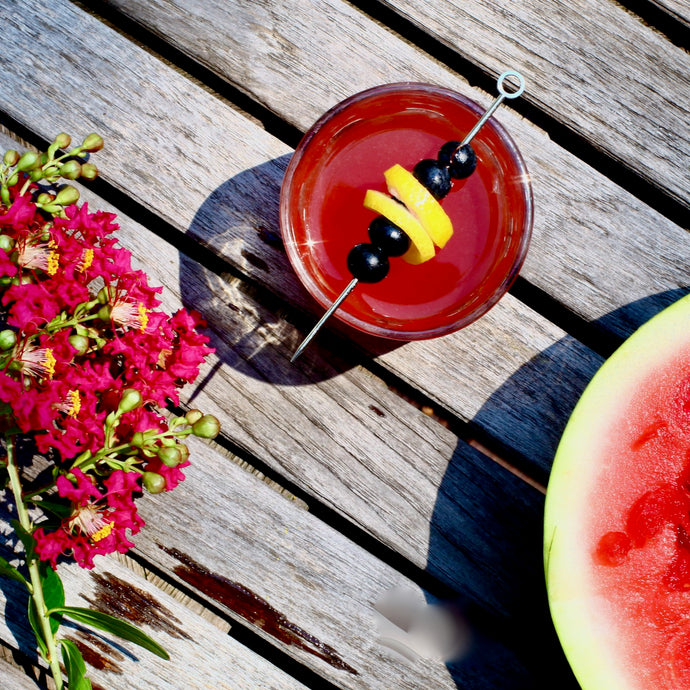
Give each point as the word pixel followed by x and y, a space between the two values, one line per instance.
pixel 503 93
pixel 350 287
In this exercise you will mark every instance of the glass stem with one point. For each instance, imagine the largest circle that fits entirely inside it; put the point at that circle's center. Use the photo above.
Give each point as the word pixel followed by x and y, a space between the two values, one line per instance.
pixel 36 590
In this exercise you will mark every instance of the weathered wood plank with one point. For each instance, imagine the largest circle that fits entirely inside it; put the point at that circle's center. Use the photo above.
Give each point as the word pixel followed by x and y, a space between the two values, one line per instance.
pixel 378 461
pixel 14 678
pixel 592 240
pixel 201 656
pixel 235 216
pixel 592 65
pixel 329 588
pixel 678 9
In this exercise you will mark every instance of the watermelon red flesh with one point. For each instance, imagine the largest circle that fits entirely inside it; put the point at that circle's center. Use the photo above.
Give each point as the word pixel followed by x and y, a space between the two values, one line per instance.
pixel 617 524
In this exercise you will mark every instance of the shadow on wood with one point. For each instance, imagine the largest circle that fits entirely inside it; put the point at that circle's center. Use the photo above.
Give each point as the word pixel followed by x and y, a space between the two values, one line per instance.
pixel 502 565
pixel 240 219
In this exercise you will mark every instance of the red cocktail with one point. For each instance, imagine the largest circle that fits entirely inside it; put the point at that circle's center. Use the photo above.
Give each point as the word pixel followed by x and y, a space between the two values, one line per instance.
pixel 346 153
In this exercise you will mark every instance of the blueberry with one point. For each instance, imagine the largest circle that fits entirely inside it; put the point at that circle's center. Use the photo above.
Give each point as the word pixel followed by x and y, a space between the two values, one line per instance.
pixel 434 176
pixel 388 236
pixel 461 159
pixel 368 263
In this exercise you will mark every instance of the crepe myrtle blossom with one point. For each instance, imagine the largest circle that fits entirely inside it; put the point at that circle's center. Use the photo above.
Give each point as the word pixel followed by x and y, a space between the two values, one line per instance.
pixel 89 365
pixel 98 522
pixel 89 370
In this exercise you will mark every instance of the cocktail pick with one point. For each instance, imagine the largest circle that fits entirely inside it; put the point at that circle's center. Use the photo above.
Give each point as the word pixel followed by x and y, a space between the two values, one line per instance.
pixel 503 93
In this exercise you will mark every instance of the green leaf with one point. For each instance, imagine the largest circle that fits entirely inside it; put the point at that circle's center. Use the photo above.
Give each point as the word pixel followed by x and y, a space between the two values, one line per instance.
pixel 53 592
pixel 54 597
pixel 108 623
pixel 58 509
pixel 75 666
pixel 10 571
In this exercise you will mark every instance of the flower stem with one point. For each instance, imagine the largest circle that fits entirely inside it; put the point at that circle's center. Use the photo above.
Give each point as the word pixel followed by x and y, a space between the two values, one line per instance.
pixel 36 590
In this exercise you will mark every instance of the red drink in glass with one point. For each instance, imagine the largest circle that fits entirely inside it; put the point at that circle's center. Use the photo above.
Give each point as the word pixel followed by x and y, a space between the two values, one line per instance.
pixel 323 217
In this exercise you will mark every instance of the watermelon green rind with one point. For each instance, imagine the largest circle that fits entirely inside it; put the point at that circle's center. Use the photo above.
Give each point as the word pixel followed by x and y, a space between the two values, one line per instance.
pixel 578 615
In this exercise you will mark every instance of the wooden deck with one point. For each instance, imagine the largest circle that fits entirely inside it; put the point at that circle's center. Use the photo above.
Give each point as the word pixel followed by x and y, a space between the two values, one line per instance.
pixel 365 466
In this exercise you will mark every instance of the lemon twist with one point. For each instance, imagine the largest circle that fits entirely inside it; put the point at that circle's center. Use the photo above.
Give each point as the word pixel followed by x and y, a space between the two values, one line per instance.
pixel 413 209
pixel 421 247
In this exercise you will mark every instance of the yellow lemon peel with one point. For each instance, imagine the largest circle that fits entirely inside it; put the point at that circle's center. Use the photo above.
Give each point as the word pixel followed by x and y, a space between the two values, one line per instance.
pixel 403 185
pixel 421 246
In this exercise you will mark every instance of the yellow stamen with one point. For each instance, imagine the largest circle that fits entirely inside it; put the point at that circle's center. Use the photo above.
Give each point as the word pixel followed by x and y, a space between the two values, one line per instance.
pixel 102 533
pixel 143 317
pixel 50 363
pixel 53 263
pixel 75 403
pixel 87 260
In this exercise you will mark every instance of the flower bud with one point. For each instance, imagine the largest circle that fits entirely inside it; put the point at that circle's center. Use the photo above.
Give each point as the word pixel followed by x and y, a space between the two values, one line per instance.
pixel 194 416
pixel 130 400
pixel 92 143
pixel 71 170
pixel 62 140
pixel 104 312
pixel 36 175
pixel 206 427
pixel 106 294
pixel 44 198
pixel 170 456
pixel 52 208
pixel 28 161
pixel 6 243
pixel 153 482
pixel 79 342
pixel 10 158
pixel 67 195
pixel 184 452
pixel 8 339
pixel 13 179
pixel 89 171
pixel 138 439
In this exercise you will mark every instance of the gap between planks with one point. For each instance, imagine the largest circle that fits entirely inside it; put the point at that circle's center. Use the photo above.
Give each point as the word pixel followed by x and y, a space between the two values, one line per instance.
pixel 192 70
pixel 443 417
pixel 405 30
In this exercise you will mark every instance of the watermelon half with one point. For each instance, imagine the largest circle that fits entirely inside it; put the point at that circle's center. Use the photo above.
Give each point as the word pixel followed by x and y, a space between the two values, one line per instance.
pixel 617 516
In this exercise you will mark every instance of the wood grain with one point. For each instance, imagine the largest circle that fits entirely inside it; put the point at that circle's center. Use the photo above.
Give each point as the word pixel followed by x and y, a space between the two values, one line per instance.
pixel 349 441
pixel 217 179
pixel 596 248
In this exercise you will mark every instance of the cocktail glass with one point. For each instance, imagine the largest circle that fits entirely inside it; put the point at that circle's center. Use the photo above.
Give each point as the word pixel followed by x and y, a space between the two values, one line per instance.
pixel 346 152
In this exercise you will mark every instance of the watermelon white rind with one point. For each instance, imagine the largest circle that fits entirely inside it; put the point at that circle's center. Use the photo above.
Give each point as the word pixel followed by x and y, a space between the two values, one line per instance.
pixel 582 614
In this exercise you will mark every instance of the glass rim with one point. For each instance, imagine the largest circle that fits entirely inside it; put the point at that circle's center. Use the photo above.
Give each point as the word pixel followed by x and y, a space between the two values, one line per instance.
pixel 313 287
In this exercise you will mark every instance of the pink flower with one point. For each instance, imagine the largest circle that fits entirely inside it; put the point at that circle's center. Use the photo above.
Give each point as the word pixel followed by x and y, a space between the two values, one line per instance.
pixel 7 266
pixel 21 213
pixel 87 328
pixel 98 523
pixel 31 306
